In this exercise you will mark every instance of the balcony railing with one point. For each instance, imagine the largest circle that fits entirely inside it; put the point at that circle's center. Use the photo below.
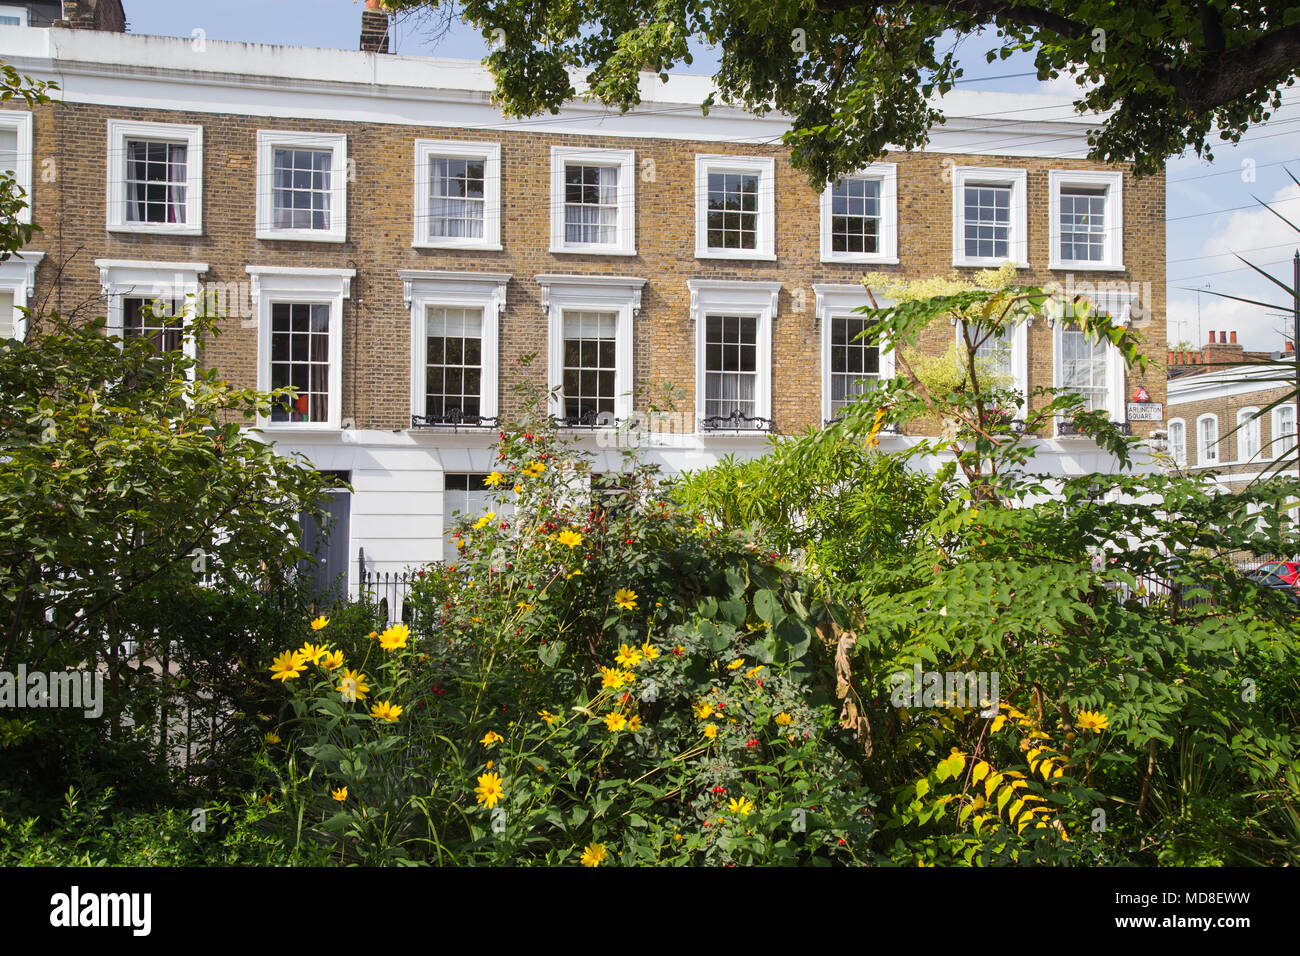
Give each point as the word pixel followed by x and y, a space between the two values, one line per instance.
pixel 452 419
pixel 737 421
pixel 1066 428
pixel 588 418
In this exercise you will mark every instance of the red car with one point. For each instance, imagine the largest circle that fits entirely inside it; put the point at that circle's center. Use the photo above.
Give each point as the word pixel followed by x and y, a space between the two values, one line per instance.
pixel 1276 574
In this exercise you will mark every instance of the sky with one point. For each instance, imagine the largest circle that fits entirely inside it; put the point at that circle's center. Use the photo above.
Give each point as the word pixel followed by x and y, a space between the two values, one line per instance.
pixel 1212 212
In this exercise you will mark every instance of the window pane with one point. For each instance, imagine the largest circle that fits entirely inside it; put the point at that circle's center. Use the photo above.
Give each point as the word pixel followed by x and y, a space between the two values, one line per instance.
pixel 1083 224
pixel 155 181
pixel 854 365
pixel 732 216
pixel 160 321
pixel 301 188
pixel 1083 368
pixel 457 198
pixel 453 372
pixel 300 350
pixel 589 365
pixel 591 204
pixel 987 222
pixel 855 216
pixel 731 377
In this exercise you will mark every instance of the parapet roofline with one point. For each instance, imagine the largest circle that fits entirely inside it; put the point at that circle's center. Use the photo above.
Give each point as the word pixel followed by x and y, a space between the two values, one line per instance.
pixel 67 56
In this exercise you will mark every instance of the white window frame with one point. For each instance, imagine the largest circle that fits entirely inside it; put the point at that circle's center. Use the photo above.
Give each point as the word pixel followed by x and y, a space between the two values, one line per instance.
pixel 337 143
pixel 887 175
pixel 272 284
pixel 1114 183
pixel 1276 447
pixel 18 278
pixel 1018 241
pixel 765 240
pixel 1121 312
pixel 1179 459
pixel 835 301
pixel 735 297
pixel 10 10
pixel 490 155
pixel 625 231
pixel 119 132
pixel 589 293
pixel 20 121
pixel 1249 425
pixel 1019 355
pixel 148 279
pixel 1202 458
pixel 423 290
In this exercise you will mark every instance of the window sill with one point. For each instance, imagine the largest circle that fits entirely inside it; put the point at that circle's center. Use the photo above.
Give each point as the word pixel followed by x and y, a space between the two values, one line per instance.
pixel 299 427
pixel 735 254
pixel 155 229
pixel 869 259
pixel 964 263
pixel 468 246
pixel 1060 266
pixel 301 235
pixel 590 251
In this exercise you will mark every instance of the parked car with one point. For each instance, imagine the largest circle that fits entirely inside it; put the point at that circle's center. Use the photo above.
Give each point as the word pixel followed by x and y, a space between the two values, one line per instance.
pixel 1281 575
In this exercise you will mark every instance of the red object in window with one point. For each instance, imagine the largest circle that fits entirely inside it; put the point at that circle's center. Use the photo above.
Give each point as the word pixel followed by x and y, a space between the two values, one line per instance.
pixel 300 404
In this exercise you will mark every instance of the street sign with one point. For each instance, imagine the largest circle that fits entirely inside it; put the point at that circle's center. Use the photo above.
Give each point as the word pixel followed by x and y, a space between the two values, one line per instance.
pixel 1146 411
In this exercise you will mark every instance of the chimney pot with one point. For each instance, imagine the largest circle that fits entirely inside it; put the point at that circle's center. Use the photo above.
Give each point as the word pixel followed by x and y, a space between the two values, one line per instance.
pixel 1234 338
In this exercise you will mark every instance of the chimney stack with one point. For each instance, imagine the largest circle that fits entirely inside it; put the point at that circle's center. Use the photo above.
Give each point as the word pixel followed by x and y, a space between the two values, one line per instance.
pixel 374 28
pixel 104 15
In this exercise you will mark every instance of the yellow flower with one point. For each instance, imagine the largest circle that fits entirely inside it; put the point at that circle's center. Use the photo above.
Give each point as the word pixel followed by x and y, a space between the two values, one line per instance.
pixel 1092 720
pixel 594 855
pixel 386 710
pixel 710 731
pixel 332 661
pixel 783 719
pixel 634 723
pixel 612 678
pixel 272 737
pixel 353 685
pixel 615 722
pixel 493 479
pixel 288 666
pixel 736 664
pixel 394 637
pixel 649 651
pixel 625 598
pixel 572 574
pixel 340 794
pixel 547 716
pixel 533 469
pixel 490 738
pixel 484 521
pixel 628 656
pixel 569 538
pixel 524 605
pixel 753 671
pixel 518 488
pixel 319 623
pixel 313 653
pixel 489 790
pixel 741 806
pixel 703 710
pixel 372 635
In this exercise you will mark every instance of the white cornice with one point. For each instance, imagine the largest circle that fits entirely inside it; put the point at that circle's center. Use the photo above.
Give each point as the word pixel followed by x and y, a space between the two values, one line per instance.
pixel 1229 381
pixel 132 70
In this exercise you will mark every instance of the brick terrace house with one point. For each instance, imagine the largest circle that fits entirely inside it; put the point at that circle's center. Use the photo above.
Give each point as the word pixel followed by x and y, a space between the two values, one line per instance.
pixel 1224 412
pixel 381 238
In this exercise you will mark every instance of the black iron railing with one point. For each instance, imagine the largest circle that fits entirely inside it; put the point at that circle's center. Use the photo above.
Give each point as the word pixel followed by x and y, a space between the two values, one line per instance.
pixel 453 419
pixel 737 421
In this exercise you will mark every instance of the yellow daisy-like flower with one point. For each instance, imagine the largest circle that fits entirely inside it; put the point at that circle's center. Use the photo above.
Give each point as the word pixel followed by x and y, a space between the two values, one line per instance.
pixel 634 722
pixel 1092 720
pixel 484 521
pixel 489 790
pixel 783 719
pixel 547 716
pixel 703 710
pixel 272 737
pixel 533 469
pixel 572 574
pixel 319 623
pixel 490 738
pixel 372 635
pixel 332 661
pixel 394 637
pixel 649 651
pixel 625 598
pixel 628 656
pixel 741 806
pixel 313 653
pixel 710 731
pixel 594 855
pixel 753 672
pixel 340 794
pixel 386 710
pixel 518 488
pixel 288 666
pixel 494 479
pixel 569 538
pixel 353 686
pixel 612 678
pixel 738 663
pixel 615 722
